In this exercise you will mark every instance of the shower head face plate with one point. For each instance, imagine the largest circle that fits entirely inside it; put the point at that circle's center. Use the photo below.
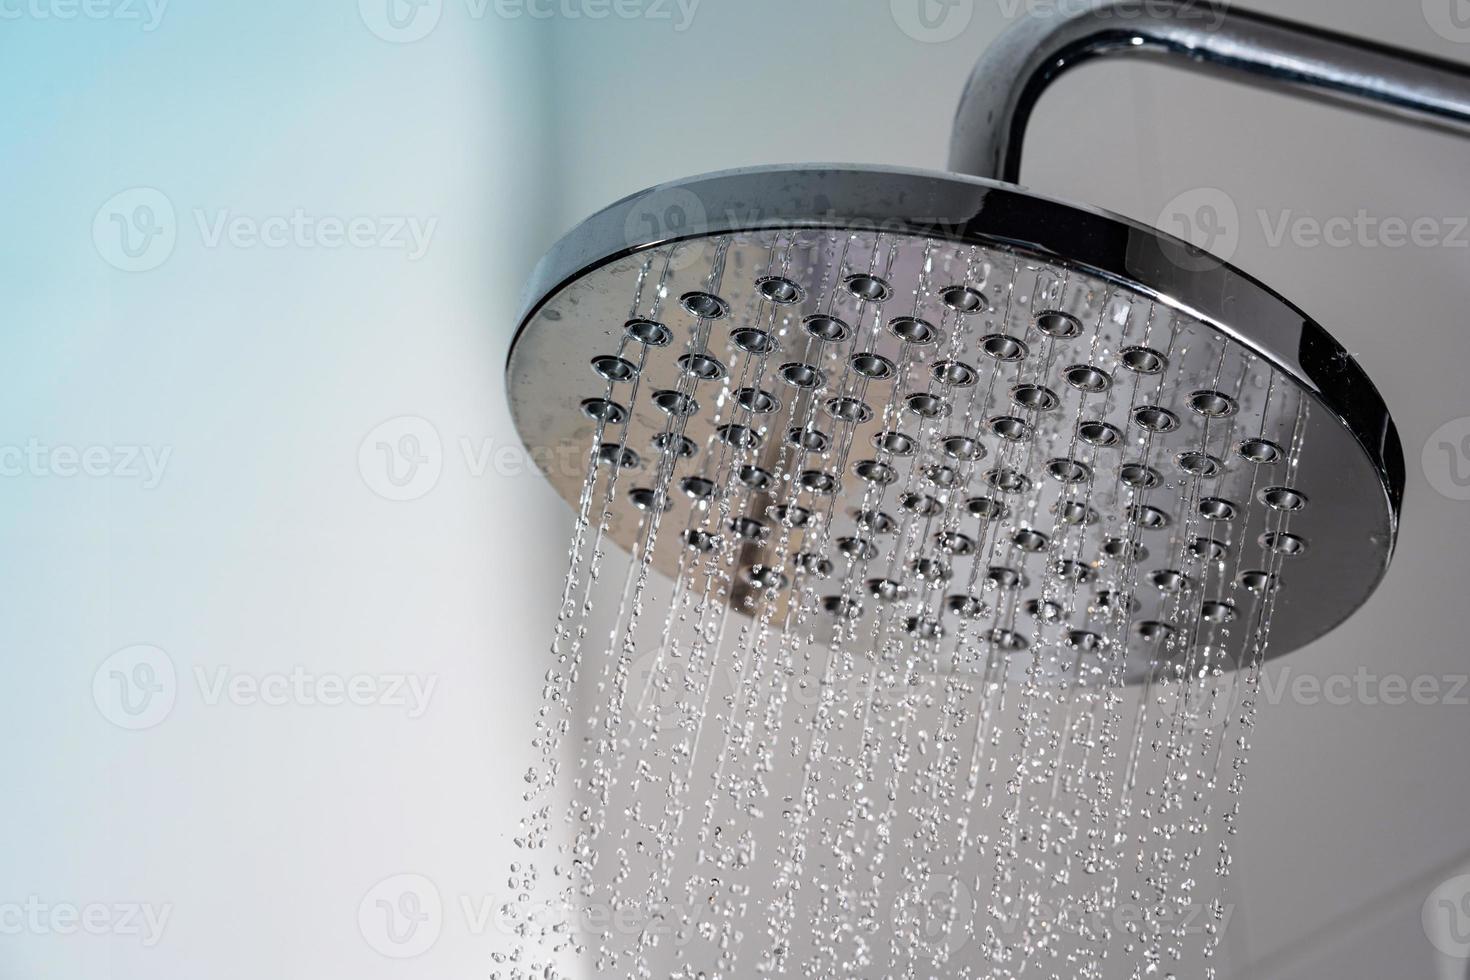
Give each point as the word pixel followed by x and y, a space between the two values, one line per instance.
pixel 946 401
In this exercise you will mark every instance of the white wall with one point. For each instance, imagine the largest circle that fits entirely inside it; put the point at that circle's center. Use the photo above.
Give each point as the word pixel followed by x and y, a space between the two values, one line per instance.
pixel 259 830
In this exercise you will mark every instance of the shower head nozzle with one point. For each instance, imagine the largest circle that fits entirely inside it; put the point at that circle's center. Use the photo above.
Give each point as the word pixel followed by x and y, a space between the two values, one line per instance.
pixel 878 392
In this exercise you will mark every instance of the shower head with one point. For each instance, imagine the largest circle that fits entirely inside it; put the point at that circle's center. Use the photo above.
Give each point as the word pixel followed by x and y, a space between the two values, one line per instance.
pixel 934 466
pixel 956 408
pixel 944 398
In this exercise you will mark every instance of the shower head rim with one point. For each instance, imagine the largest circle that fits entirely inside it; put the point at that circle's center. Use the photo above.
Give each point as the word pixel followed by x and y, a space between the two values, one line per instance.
pixel 964 209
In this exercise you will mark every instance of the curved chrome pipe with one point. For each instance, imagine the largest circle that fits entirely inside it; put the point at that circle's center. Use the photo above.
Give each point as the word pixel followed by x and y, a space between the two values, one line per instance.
pixel 1012 75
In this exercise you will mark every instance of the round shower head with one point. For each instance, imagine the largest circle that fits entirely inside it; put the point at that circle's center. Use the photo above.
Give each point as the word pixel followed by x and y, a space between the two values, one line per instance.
pixel 877 392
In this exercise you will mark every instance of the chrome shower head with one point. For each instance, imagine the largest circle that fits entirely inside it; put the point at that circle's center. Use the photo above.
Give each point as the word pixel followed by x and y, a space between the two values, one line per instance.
pixel 938 397
pixel 985 376
pixel 935 466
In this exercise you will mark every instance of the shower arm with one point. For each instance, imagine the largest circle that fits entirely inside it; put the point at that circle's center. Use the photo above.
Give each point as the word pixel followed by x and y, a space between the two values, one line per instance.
pixel 1009 79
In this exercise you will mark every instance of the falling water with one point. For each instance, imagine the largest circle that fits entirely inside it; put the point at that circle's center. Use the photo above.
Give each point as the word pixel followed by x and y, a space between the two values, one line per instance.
pixel 944 583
